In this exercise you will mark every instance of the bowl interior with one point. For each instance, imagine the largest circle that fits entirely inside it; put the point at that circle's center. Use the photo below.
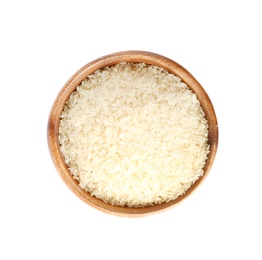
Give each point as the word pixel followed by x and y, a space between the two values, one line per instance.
pixel 109 60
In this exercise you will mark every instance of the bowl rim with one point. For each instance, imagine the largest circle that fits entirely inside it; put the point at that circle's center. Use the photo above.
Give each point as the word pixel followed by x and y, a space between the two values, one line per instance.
pixel 135 56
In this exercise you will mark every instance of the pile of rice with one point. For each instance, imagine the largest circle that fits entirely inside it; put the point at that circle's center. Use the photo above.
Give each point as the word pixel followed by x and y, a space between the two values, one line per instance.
pixel 134 135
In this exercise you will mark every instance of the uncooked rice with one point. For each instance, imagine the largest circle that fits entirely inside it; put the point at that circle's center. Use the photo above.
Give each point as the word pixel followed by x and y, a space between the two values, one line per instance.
pixel 134 135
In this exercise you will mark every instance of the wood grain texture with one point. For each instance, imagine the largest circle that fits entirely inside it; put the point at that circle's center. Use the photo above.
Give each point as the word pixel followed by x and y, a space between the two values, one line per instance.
pixel 112 59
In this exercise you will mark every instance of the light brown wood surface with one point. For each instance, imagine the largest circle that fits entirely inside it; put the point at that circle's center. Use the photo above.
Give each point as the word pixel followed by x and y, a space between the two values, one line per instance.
pixel 69 87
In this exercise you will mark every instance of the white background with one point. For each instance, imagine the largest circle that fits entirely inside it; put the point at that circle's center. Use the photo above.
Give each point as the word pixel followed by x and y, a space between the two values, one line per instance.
pixel 43 43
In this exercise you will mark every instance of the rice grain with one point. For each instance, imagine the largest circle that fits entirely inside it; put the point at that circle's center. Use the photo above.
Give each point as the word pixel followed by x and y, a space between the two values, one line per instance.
pixel 134 135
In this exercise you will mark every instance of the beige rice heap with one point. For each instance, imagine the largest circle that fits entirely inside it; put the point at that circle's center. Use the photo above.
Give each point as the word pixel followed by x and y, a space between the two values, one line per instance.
pixel 134 135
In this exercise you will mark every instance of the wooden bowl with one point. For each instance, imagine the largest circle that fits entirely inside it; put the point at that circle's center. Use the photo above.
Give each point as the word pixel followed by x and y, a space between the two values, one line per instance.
pixel 109 60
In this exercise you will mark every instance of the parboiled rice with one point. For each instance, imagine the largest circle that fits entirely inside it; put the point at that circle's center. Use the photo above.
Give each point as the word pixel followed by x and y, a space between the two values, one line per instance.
pixel 134 135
